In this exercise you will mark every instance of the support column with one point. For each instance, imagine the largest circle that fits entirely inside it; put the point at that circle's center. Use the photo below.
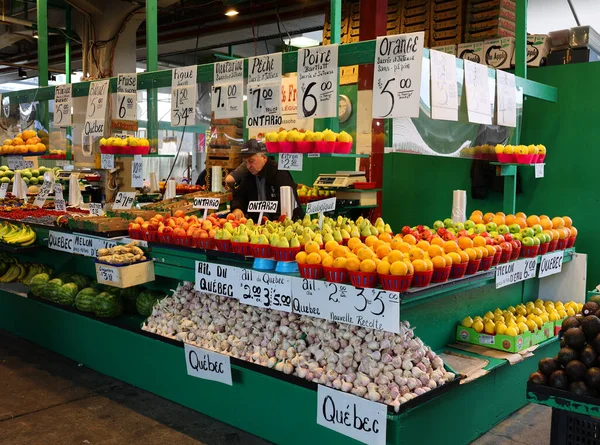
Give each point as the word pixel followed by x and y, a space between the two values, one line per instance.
pixel 42 44
pixel 69 133
pixel 335 14
pixel 521 40
pixel 152 65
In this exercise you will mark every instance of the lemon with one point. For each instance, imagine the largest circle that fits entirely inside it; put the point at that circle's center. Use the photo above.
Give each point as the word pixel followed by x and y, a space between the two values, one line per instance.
pixel 501 328
pixel 522 327
pixel 467 322
pixel 511 331
pixel 490 327
pixel 478 326
pixel 532 325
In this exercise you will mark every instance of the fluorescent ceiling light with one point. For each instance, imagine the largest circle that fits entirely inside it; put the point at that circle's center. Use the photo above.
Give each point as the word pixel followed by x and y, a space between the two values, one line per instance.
pixel 301 42
pixel 231 12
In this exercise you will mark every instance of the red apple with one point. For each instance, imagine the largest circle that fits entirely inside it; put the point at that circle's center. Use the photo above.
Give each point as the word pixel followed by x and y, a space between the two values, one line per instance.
pixel 139 220
pixel 489 241
pixel 243 220
pixel 507 237
pixel 231 217
pixel 506 246
pixel 515 244
pixel 168 229
pixel 179 232
pixel 145 226
pixel 499 239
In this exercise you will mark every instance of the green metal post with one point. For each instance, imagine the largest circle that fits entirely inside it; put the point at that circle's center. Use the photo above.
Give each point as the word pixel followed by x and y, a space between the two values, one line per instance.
pixel 521 40
pixel 42 29
pixel 336 31
pixel 152 65
pixel 68 70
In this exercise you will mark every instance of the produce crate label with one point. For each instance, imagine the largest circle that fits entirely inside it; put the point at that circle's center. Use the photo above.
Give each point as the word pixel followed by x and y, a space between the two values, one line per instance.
pixel 96 209
pixel 60 241
pixel 63 103
pixel 485 339
pixel 124 200
pixel 127 96
pixel 507 99
pixel 515 271
pixel 265 68
pixel 290 161
pixel 227 100
pixel 397 81
pixel 108 274
pixel 42 195
pixel 228 71
pixel 318 82
pixel 444 90
pixel 321 206
pixel 59 199
pixel 262 289
pixel 539 170
pixel 96 109
pixel 107 161
pixel 137 173
pixel 207 365
pixel 551 263
pixel 479 105
pixel 352 416
pixel 217 279
pixel 3 189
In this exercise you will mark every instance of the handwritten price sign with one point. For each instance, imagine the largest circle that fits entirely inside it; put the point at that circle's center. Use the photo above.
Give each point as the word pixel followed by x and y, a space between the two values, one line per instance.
pixel 124 200
pixel 551 263
pixel 107 274
pixel 515 272
pixel 59 200
pixel 266 290
pixel 227 100
pixel 137 174
pixel 318 82
pixel 62 105
pixel 290 161
pixel 96 209
pixel 96 109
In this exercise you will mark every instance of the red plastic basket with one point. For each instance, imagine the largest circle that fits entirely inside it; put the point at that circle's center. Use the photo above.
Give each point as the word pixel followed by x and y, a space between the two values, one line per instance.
pixel 343 147
pixel 458 270
pixel 223 245
pixel 261 251
pixel 525 159
pixel 507 159
pixel 204 243
pixel 562 243
pixel 183 241
pixel 241 248
pixel 544 248
pixel 165 238
pixel 529 251
pixel 336 274
pixel 395 283
pixel 496 259
pixel 285 253
pixel 136 234
pixel 140 150
pixel 486 262
pixel 515 254
pixel 287 147
pixel 553 245
pixel 363 185
pixel 422 279
pixel 312 271
pixel 472 267
pixel 571 241
pixel 505 257
pixel 305 147
pixel 442 274
pixel 324 146
pixel 363 279
pixel 272 147
pixel 541 158
pixel 153 237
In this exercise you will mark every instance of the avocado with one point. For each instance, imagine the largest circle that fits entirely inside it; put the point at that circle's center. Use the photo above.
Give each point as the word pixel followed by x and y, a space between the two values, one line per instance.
pixel 575 370
pixel 575 338
pixel 579 388
pixel 537 378
pixel 562 343
pixel 588 356
pixel 566 354
pixel 570 322
pixel 595 298
pixel 597 314
pixel 591 326
pixel 558 379
pixel 590 308
pixel 596 344
pixel 592 378
pixel 548 365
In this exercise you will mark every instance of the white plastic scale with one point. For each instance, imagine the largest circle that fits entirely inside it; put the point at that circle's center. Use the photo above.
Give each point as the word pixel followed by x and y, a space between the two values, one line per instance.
pixel 340 179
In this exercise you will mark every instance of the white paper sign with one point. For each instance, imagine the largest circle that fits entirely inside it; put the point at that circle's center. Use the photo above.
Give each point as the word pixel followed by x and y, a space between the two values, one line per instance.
pixel 263 206
pixel 321 206
pixel 59 200
pixel 16 162
pixel 228 71
pixel 137 174
pixel 313 155
pixel 539 170
pixel 352 416
pixel 207 365
pixel 264 69
pixel 264 105
pixel 107 274
pixel 290 161
pixel 507 99
pixel 60 241
pixel 96 108
pixel 184 76
pixel 89 246
pixel 515 271
pixel 96 209
pixel 318 82
pixel 207 203
pixel 3 189
pixel 42 195
pixel 62 105
pixel 478 95
pixel 217 279
pixel 183 106
pixel 107 161
pixel 5 105
pixel 228 100
pixel 262 289
pixel 444 95
pixel 397 78
pixel 124 200
pixel 551 263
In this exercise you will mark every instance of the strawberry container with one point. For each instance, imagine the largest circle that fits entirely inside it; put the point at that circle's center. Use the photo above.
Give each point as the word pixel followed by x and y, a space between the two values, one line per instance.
pixel 183 241
pixel 241 248
pixel 261 251
pixel 544 248
pixel 336 274
pixel 525 159
pixel 422 279
pixel 553 245
pixel 204 243
pixel 515 254
pixel 458 270
pixel 324 146
pixel 505 257
pixel 305 147
pixel 472 267
pixel 287 147
pixel 363 279
pixel 223 245
pixel 285 253
pixel 507 159
pixel 272 147
pixel 562 244
pixel 571 241
pixel 311 271
pixel 486 262
pixel 342 147
pixel 529 251
pixel 441 274
pixel 395 283
pixel 497 257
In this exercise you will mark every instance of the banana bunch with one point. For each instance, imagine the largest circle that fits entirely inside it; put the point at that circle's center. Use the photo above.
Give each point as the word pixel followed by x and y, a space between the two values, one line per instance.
pixel 23 272
pixel 22 236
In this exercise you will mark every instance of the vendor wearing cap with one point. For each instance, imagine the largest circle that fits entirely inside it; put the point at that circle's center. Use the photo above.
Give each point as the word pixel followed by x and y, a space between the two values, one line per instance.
pixel 262 183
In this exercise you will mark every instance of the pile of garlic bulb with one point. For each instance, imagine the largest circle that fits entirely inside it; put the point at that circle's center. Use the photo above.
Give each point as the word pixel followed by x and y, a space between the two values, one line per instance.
pixel 377 365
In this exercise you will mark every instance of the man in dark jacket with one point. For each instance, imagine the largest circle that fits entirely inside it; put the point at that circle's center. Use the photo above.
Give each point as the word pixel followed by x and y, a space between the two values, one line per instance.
pixel 262 184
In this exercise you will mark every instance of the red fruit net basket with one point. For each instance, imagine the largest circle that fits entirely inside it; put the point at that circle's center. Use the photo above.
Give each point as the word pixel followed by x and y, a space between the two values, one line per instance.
pixel 507 159
pixel 505 257
pixel 571 241
pixel 422 279
pixel 529 251
pixel 472 267
pixel 287 147
pixel 525 159
pixel 136 234
pixel 363 279
pixel 165 238
pixel 324 146
pixel 241 248
pixel 496 259
pixel 486 262
pixel 441 274
pixel 261 251
pixel 562 243
pixel 515 254
pixel 553 245
pixel 204 243
pixel 312 271
pixel 272 147
pixel 395 283
pixel 183 241
pixel 305 147
pixel 223 245
pixel 544 248
pixel 541 158
pixel 285 253
pixel 458 270
pixel 343 147
pixel 336 274
pixel 153 237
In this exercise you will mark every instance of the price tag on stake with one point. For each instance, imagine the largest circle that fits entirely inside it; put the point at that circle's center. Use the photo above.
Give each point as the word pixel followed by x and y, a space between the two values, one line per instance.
pixel 59 200
pixel 137 174
pixel 3 189
pixel 551 263
pixel 96 209
pixel 444 95
pixel 320 207
pixel 290 161
pixel 261 289
pixel 107 162
pixel 124 200
pixel 217 279
pixel 63 102
pixel 207 365
pixel 43 194
pixel 539 170
pixel 318 82
pixel 207 204
pixel 262 207
pixel 515 271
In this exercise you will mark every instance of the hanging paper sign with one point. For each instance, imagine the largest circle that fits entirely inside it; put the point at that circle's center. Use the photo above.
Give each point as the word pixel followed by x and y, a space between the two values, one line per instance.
pixel 60 241
pixel 59 200
pixel 551 263
pixel 228 71
pixel 42 195
pixel 127 97
pixel 507 99
pixel 217 279
pixel 290 161
pixel 261 289
pixel 227 100
pixel 107 162
pixel 207 365
pixel 444 95
pixel 397 78
pixel 137 174
pixel 539 170
pixel 5 105
pixel 18 163
pixel 264 69
pixel 264 105
pixel 107 274
pixel 183 96
pixel 96 209
pixel 318 82
pixel 515 271
pixel 63 102
pixel 478 95
pixel 96 108
pixel 124 200
pixel 3 190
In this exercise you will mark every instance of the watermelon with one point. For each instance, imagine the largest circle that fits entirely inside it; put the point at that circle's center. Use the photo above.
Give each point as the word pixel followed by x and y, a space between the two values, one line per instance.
pixel 129 296
pixel 84 300
pixel 146 301
pixel 107 305
pixel 65 276
pixel 67 293
pixel 81 281
pixel 52 289
pixel 38 283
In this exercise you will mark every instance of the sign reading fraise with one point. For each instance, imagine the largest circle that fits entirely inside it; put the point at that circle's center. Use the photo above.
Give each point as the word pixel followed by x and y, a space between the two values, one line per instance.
pixel 62 105
pixel 127 96
pixel 318 81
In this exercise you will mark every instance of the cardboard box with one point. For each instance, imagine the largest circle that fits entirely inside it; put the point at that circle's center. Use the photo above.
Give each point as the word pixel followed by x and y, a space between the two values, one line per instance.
pixel 496 23
pixel 493 33
pixel 416 20
pixel 581 55
pixel 558 57
pixel 538 48
pixel 125 276
pixel 471 51
pixel 418 11
pixel 455 5
pixel 455 33
pixel 483 5
pixel 498 52
pixel 446 42
pixel 447 24
pixel 410 4
pixel 454 13
pixel 492 14
pixel 448 49
pixel 500 342
pixel 416 28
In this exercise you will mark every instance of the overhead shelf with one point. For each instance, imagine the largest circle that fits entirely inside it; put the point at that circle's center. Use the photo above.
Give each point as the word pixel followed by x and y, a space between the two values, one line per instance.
pixel 325 155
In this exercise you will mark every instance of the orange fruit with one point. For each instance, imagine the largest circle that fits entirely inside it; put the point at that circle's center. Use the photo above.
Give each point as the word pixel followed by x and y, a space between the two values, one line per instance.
pixel 546 223
pixel 327 261
pixel 532 220
pixel 364 254
pixel 416 254
pixel 568 230
pixel 353 242
pixel 340 262
pixel 521 215
pixel 510 219
pixel 369 240
pixel 383 251
pixel 437 241
pixel 313 258
pixel 465 242
pixel 410 239
pixel 562 234
pixel 573 231
pixel 339 252
pixel 368 266
pixel 439 262
pixel 450 246
pixel 395 255
pixel 471 253
pixel 491 250
pixel 477 212
pixel 521 222
pixel 301 257
pixel 558 222
pixel 419 265
pixel 488 218
pixel 404 247
pixel 449 260
pixel 395 243
pixel 377 244
pixel 40 148
pixel 323 253
pixel 464 257
pixel 481 252
pixel 358 247
pixel 411 268
pixel 568 221
pixel 423 245
pixel 429 264
pixel 435 250
pixel 477 218
pixel 479 241
pixel 353 264
pixel 399 268
pixel 456 259
pixel 311 247
pixel 499 219
pixel 383 268
pixel 555 234
pixel 330 245
pixel 500 214
pixel 385 237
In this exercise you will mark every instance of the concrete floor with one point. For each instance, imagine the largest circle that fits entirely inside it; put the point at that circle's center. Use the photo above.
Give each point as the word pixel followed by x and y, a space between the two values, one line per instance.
pixel 46 399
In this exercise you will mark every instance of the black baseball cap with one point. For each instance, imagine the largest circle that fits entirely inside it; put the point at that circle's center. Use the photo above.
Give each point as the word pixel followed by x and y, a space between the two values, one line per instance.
pixel 252 147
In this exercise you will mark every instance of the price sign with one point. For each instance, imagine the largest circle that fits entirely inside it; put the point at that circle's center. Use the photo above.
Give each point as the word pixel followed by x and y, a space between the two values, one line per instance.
pixel 262 207
pixel 124 200
pixel 63 103
pixel 207 365
pixel 107 274
pixel 96 209
pixel 515 271
pixel 217 279
pixel 507 99
pixel 227 100
pixel 107 162
pixel 397 78
pixel 261 289
pixel 59 200
pixel 352 416
pixel 479 107
pixel 313 155
pixel 539 170
pixel 5 105
pixel 264 69
pixel 96 109
pixel 42 195
pixel 264 105
pixel 206 204
pixel 3 190
pixel 320 207
pixel 551 263
pixel 229 71
pixel 183 96
pixel 89 246
pixel 444 91
pixel 137 174
pixel 60 241
pixel 318 82
pixel 127 96
pixel 290 161
pixel 16 163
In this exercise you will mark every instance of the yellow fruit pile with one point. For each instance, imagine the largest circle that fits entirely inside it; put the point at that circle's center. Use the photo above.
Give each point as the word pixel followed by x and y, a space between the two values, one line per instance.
pixel 130 141
pixel 25 142
pixel 520 149
pixel 524 317
pixel 307 136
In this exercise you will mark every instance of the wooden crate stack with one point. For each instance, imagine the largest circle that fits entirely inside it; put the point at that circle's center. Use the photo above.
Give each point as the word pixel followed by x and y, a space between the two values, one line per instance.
pixel 224 146
pixel 447 23
pixel 489 19
pixel 416 17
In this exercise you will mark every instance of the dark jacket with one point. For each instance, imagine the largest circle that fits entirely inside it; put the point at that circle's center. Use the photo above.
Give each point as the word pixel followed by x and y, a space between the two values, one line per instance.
pixel 274 178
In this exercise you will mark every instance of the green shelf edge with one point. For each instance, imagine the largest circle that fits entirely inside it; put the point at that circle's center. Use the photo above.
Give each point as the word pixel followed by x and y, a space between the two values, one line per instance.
pixel 326 155
pixel 558 402
pixel 501 164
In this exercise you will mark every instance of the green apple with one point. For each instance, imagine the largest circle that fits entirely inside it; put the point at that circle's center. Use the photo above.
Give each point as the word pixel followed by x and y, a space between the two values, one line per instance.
pixel 480 228
pixel 471 231
pixel 537 229
pixel 438 225
pixel 491 227
pixel 493 234
pixel 451 230
pixel 469 224
pixel 517 236
pixel 527 232
pixel 528 241
pixel 536 241
pixel 503 229
pixel 514 228
pixel 459 226
pixel 448 223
